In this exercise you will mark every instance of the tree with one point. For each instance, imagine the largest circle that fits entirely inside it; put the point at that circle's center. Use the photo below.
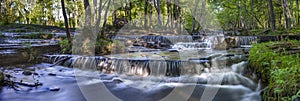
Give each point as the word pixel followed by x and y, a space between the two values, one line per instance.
pixel 66 22
pixel 145 13
pixel 287 14
pixel 272 16
pixel 157 6
pixel 297 12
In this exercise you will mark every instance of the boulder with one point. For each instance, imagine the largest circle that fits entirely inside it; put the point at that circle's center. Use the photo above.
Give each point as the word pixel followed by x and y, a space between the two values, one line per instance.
pixel 27 72
pixel 228 42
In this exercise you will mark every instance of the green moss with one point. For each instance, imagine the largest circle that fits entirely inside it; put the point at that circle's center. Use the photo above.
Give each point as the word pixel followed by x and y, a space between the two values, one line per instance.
pixel 278 69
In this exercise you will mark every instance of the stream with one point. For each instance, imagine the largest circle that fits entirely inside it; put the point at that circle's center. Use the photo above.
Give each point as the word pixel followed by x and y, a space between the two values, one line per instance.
pixel 187 70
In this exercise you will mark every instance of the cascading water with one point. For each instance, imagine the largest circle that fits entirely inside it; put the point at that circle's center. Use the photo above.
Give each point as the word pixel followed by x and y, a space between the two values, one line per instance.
pixel 246 40
pixel 192 45
pixel 218 71
pixel 152 75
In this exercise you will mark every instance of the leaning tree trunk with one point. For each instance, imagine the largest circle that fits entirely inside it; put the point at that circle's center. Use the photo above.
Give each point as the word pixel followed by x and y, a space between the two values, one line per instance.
pixel 66 23
pixel 272 16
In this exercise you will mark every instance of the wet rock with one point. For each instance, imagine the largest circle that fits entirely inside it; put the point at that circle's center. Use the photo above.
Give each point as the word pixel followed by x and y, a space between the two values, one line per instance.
pixel 117 81
pixel 52 74
pixel 173 50
pixel 229 55
pixel 28 83
pixel 231 42
pixel 27 72
pixel 54 88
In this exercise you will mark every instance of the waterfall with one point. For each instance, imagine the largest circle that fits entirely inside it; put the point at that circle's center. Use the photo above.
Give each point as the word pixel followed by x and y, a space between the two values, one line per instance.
pixel 140 67
pixel 246 40
pixel 154 38
pixel 150 67
pixel 192 45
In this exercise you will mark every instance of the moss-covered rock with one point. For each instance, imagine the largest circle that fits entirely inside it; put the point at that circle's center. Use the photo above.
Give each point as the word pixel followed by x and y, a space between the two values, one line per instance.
pixel 277 64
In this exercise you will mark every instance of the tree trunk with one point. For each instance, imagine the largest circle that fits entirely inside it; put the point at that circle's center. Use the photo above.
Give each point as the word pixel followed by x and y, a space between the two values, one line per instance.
pixel 298 14
pixel 145 14
pixel 105 19
pixel 241 22
pixel 150 17
pixel 272 16
pixel 1 8
pixel 202 13
pixel 130 6
pixel 66 23
pixel 168 14
pixel 251 18
pixel 157 5
pixel 287 14
pixel 87 8
pixel 194 14
pixel 97 25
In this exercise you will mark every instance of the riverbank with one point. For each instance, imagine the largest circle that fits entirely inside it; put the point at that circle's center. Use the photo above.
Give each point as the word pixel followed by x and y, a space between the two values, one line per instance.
pixel 277 64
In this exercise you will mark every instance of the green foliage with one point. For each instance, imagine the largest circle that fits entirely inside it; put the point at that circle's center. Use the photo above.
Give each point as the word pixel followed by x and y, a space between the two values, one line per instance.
pixel 104 46
pixel 278 69
pixel 65 47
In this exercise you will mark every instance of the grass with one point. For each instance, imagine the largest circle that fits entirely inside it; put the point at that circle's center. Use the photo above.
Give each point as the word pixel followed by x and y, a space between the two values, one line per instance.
pixel 278 69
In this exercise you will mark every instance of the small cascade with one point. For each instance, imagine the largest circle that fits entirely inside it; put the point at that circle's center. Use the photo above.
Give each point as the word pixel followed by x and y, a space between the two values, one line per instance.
pixel 156 38
pixel 140 67
pixel 149 67
pixel 239 68
pixel 167 39
pixel 81 62
pixel 246 40
pixel 180 38
pixel 192 45
pixel 214 40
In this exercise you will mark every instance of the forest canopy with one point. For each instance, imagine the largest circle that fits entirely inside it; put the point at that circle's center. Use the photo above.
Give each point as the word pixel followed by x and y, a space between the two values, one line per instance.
pixel 191 15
